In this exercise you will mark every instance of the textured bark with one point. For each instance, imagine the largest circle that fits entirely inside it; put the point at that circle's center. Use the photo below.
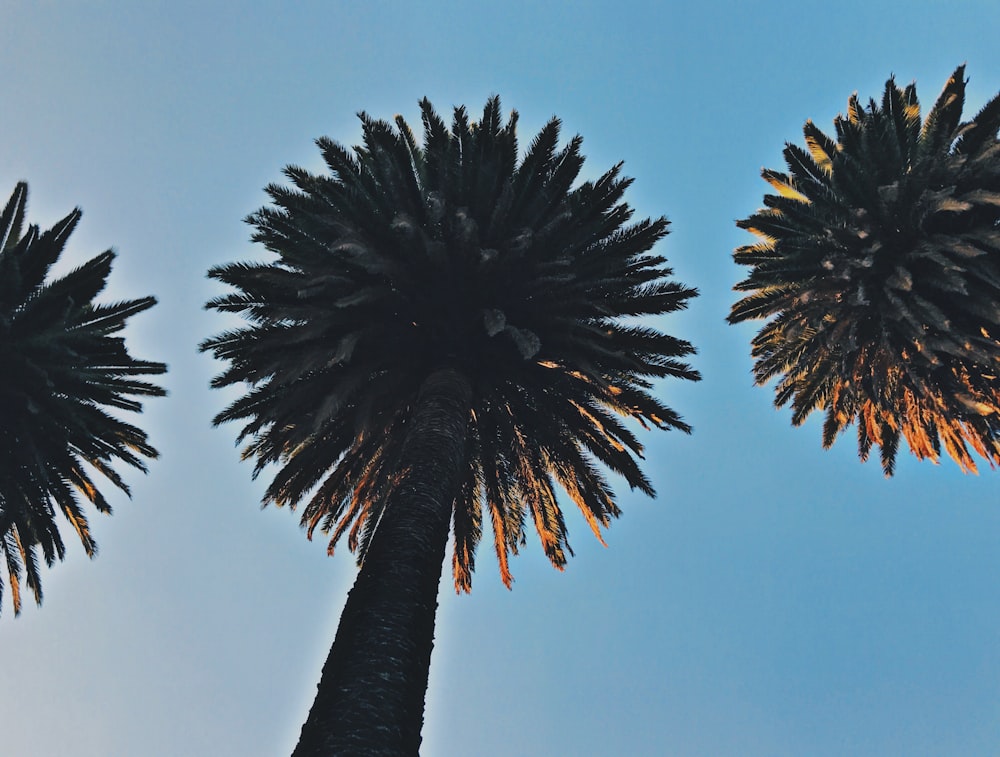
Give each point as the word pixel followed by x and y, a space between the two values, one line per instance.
pixel 370 699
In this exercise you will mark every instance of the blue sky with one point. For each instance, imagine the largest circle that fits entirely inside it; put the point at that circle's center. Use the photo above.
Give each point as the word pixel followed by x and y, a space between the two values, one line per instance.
pixel 775 599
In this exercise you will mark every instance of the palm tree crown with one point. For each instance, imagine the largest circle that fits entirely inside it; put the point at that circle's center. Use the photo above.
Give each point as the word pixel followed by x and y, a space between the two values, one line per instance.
pixel 878 266
pixel 62 367
pixel 409 259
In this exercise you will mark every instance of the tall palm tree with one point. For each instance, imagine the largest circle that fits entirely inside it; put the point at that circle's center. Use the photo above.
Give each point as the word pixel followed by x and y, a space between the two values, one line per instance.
pixel 62 368
pixel 448 332
pixel 878 266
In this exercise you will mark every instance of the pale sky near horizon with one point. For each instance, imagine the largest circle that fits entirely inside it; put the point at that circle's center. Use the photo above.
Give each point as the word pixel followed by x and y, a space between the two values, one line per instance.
pixel 775 600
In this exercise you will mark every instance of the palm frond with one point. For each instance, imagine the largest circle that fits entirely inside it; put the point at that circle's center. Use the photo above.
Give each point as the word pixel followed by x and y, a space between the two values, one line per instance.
pixel 879 285
pixel 62 367
pixel 414 255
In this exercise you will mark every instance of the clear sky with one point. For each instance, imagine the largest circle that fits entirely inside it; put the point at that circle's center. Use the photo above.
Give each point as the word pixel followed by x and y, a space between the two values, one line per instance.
pixel 775 599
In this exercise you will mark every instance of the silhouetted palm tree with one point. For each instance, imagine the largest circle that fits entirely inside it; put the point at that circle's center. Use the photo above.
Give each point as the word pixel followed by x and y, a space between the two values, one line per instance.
pixel 879 269
pixel 448 334
pixel 61 367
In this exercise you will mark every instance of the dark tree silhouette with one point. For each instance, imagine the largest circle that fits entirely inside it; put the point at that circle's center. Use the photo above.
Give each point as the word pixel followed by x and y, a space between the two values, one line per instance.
pixel 878 267
pixel 62 367
pixel 449 333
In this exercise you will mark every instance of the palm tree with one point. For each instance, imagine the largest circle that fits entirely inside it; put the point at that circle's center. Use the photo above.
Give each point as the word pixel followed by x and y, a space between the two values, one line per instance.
pixel 878 266
pixel 448 333
pixel 62 367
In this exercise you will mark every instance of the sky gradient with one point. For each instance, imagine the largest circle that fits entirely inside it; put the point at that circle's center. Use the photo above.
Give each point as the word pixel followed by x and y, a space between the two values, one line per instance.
pixel 775 599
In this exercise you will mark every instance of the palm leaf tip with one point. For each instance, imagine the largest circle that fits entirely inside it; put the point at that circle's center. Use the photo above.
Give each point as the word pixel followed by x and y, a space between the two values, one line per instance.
pixel 450 251
pixel 64 370
pixel 877 294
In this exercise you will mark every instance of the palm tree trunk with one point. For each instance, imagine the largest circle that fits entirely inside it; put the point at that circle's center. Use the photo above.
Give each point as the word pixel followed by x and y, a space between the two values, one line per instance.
pixel 371 693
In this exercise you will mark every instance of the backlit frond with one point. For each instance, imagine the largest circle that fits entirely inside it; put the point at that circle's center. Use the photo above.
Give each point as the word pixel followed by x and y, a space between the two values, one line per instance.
pixel 879 288
pixel 413 255
pixel 61 366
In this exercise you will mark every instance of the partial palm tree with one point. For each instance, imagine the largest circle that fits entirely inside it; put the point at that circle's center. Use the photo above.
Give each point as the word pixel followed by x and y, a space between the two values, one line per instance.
pixel 62 371
pixel 878 269
pixel 449 333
